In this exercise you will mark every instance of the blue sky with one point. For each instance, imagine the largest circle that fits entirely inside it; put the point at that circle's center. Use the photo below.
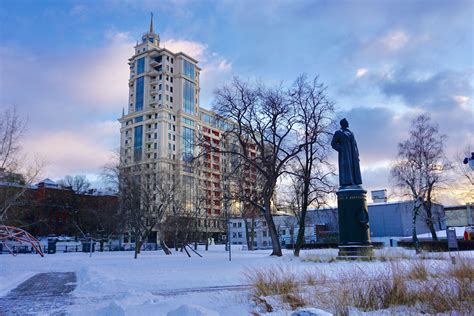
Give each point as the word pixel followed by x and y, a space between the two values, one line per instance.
pixel 64 65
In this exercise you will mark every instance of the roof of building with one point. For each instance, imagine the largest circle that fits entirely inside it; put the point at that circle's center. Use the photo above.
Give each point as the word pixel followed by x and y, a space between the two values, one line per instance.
pixel 48 183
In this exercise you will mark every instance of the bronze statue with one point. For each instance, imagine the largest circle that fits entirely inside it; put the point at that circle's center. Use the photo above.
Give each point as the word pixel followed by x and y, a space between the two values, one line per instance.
pixel 345 144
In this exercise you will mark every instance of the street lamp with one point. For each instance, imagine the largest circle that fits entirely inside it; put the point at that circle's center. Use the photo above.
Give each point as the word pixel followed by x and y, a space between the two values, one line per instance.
pixel 469 161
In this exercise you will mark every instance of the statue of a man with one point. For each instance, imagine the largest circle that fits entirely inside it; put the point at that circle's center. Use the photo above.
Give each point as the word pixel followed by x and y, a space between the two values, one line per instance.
pixel 345 144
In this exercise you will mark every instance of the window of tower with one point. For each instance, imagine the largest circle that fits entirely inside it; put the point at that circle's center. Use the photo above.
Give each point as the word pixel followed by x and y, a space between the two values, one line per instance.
pixel 188 152
pixel 141 65
pixel 188 97
pixel 140 87
pixel 188 69
pixel 137 143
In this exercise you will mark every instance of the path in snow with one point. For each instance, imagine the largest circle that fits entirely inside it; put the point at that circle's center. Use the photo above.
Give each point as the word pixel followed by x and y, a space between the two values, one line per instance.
pixel 43 292
pixel 184 291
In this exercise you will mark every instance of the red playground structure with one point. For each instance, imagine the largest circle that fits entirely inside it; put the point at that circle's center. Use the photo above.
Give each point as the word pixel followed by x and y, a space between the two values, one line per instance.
pixel 19 235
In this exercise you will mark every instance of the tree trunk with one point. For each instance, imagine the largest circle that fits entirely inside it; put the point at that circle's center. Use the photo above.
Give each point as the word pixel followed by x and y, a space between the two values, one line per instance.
pixel 138 245
pixel 429 220
pixel 207 241
pixel 247 235
pixel 272 229
pixel 301 229
pixel 176 237
pixel 415 240
pixel 165 248
pixel 252 233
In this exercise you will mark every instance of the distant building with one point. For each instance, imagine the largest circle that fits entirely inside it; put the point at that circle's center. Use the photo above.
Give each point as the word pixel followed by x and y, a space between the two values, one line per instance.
pixel 286 226
pixel 48 209
pixel 459 215
pixel 395 219
pixel 238 235
pixel 386 220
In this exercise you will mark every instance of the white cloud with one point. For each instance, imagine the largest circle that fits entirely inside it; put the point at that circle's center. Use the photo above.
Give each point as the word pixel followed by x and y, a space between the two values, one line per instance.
pixel 463 102
pixel 81 151
pixel 395 40
pixel 196 50
pixel 215 69
pixel 361 72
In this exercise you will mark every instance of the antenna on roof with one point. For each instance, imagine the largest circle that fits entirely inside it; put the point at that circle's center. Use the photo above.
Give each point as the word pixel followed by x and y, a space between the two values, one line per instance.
pixel 151 23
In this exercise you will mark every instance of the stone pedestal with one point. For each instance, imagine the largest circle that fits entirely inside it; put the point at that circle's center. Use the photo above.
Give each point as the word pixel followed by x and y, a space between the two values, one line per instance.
pixel 354 234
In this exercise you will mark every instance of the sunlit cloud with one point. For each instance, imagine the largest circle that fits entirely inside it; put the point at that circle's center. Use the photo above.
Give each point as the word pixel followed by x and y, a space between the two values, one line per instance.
pixel 361 72
pixel 395 40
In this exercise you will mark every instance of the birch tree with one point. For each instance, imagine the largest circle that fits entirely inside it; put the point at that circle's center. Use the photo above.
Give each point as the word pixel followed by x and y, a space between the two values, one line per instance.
pixel 420 169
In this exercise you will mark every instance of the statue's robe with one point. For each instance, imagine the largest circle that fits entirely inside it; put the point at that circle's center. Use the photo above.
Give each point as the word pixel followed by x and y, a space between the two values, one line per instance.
pixel 345 144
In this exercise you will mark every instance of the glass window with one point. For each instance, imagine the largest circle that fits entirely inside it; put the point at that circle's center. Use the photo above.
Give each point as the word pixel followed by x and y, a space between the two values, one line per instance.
pixel 206 118
pixel 188 152
pixel 139 93
pixel 188 97
pixel 138 119
pixel 188 69
pixel 137 143
pixel 141 66
pixel 185 120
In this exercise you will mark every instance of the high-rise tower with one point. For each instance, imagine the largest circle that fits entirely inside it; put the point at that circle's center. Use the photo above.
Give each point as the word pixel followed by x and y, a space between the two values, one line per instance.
pixel 163 121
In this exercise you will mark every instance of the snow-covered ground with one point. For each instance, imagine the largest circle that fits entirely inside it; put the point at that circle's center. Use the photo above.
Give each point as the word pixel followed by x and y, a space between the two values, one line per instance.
pixel 113 283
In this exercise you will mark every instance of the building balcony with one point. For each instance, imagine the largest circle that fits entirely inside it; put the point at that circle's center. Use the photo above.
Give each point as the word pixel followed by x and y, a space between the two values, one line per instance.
pixel 154 63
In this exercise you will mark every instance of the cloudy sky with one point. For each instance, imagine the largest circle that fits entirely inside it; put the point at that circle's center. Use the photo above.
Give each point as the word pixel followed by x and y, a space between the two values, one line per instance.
pixel 63 64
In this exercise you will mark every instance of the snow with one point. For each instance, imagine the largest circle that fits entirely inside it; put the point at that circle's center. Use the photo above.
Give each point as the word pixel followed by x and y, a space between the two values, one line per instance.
pixel 113 283
pixel 192 310
pixel 442 233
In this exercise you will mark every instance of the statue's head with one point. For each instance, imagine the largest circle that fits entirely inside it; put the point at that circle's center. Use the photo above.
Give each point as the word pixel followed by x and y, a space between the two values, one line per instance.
pixel 344 123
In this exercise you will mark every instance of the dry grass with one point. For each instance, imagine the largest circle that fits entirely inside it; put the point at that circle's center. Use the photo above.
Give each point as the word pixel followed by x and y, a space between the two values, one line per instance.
pixel 411 285
pixel 276 280
pixel 463 269
pixel 417 270
pixel 372 293
pixel 313 277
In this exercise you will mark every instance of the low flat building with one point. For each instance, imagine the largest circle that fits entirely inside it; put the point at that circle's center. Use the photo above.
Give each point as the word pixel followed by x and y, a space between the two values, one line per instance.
pixel 459 215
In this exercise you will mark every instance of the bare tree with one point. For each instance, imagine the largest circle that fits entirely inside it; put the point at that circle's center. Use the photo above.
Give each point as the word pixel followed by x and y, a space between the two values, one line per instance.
pixel 262 118
pixel 420 169
pixel 244 186
pixel 78 183
pixel 311 171
pixel 144 199
pixel 15 173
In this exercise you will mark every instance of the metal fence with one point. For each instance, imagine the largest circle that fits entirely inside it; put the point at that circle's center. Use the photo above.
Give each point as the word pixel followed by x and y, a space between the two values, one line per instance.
pixel 65 247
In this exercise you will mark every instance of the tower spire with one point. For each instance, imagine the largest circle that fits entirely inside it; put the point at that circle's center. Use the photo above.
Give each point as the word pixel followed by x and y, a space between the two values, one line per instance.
pixel 151 23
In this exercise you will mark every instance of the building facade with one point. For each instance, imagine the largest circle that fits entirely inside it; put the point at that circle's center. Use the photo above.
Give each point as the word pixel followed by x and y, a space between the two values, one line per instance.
pixel 47 208
pixel 459 215
pixel 386 220
pixel 164 122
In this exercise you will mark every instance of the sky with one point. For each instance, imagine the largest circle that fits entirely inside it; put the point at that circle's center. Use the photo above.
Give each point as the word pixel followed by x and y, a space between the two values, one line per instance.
pixel 63 65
